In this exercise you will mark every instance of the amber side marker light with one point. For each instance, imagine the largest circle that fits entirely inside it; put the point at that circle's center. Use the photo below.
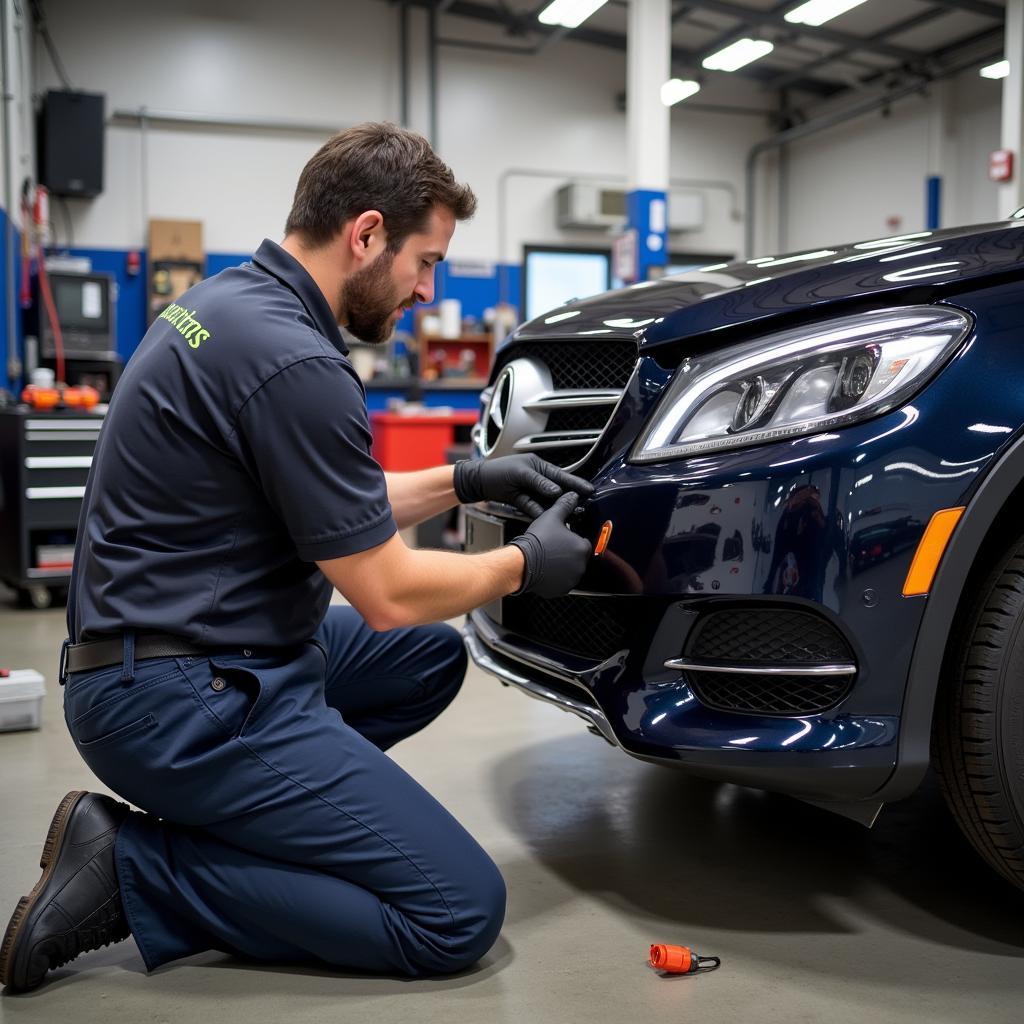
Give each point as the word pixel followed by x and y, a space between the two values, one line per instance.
pixel 930 551
pixel 603 537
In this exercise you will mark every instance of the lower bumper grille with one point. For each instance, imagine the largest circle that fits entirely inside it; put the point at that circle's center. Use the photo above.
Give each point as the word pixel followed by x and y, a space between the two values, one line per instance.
pixel 767 695
pixel 773 637
pixel 742 653
pixel 591 627
pixel 767 634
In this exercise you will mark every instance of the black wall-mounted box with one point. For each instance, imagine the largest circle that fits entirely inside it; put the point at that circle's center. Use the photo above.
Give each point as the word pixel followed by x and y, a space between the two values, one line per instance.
pixel 70 143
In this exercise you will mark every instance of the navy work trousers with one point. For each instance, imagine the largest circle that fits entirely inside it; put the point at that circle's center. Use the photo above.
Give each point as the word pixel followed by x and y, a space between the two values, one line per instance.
pixel 277 829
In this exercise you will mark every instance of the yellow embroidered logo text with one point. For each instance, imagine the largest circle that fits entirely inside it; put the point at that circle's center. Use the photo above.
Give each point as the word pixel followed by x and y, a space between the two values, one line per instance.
pixel 186 324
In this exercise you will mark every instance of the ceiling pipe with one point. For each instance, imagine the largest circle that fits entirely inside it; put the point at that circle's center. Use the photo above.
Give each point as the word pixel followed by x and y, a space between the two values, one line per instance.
pixel 145 116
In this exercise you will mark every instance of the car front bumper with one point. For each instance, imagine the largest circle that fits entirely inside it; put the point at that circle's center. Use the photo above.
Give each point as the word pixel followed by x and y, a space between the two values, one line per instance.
pixel 827 526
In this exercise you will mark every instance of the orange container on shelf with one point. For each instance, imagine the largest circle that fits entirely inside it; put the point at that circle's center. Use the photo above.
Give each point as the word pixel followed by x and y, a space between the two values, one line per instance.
pixel 415 442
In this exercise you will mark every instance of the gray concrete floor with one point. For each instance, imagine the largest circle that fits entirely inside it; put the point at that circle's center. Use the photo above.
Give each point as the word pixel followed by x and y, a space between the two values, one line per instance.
pixel 814 918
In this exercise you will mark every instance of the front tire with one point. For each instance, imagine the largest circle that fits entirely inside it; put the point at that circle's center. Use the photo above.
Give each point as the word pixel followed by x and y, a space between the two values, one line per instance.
pixel 978 739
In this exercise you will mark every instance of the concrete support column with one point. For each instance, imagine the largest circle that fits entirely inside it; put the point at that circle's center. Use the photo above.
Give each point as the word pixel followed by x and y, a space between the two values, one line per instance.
pixel 648 67
pixel 1011 195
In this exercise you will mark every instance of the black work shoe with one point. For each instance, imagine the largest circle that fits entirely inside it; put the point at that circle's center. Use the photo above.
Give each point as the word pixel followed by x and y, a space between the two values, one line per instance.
pixel 76 904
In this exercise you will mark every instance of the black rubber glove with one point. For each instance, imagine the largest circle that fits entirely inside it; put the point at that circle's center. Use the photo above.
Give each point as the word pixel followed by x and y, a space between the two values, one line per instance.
pixel 525 481
pixel 556 558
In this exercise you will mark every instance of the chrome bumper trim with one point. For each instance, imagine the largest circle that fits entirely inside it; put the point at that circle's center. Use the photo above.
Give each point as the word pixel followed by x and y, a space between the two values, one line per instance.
pixel 590 714
pixel 559 439
pixel 574 398
pixel 748 668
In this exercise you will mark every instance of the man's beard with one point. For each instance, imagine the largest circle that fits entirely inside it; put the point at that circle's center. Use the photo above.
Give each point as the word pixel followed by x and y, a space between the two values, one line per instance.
pixel 369 301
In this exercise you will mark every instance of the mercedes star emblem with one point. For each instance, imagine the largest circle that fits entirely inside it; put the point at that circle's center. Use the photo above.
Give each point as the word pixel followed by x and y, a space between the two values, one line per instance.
pixel 497 410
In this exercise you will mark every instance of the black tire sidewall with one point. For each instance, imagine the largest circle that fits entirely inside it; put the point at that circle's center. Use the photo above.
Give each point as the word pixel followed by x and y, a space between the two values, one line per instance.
pixel 1009 720
pixel 979 723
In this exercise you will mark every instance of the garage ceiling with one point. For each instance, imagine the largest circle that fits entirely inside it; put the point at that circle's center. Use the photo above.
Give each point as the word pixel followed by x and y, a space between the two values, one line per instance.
pixel 879 42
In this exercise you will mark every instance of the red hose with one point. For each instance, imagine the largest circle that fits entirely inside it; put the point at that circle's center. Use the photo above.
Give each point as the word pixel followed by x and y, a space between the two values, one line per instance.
pixel 51 313
pixel 26 252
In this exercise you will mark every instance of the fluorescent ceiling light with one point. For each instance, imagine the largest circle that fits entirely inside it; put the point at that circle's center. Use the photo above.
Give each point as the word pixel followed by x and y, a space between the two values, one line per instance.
pixel 817 12
pixel 569 13
pixel 676 89
pixel 740 53
pixel 1000 69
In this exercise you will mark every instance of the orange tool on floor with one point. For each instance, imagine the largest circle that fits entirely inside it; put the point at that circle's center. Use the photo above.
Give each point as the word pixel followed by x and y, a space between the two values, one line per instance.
pixel 681 960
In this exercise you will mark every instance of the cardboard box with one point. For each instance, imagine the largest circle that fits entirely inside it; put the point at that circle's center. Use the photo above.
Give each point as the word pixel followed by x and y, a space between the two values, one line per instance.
pixel 176 261
pixel 177 240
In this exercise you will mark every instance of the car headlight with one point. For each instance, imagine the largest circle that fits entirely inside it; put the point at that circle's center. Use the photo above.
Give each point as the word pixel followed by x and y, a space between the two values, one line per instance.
pixel 801 381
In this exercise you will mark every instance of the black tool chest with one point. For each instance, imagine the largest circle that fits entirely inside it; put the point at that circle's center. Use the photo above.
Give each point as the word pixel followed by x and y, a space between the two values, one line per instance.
pixel 44 462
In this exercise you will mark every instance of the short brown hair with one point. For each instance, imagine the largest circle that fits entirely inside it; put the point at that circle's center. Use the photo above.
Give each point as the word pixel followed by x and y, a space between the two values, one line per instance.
pixel 375 166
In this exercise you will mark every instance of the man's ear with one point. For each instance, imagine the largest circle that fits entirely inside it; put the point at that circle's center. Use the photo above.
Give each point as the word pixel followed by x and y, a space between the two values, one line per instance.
pixel 367 237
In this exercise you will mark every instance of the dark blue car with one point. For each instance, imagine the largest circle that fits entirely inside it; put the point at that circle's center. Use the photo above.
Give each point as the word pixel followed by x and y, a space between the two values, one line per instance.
pixel 809 478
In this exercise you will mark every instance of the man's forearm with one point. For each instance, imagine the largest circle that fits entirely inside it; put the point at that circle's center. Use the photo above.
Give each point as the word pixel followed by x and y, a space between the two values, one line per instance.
pixel 392 585
pixel 439 585
pixel 420 495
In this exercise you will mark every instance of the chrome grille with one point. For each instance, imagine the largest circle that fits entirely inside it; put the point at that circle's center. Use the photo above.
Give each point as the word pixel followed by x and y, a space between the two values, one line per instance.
pixel 581 418
pixel 567 419
pixel 581 364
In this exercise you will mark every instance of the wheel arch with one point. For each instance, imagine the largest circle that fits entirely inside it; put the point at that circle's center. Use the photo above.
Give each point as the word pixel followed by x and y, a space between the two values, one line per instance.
pixel 993 513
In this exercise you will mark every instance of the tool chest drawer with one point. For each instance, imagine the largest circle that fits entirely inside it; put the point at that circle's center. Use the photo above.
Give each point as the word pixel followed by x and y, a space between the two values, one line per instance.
pixel 44 465
pixel 59 437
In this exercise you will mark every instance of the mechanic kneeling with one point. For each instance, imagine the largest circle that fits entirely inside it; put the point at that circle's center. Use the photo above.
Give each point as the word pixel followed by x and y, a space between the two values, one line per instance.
pixel 207 681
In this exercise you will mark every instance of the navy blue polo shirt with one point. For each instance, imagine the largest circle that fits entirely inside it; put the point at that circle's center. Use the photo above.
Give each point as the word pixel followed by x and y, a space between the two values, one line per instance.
pixel 235 453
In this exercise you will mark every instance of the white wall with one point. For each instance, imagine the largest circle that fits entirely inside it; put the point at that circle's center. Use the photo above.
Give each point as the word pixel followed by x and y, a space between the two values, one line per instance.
pixel 337 63
pixel 556 113
pixel 239 58
pixel 844 183
pixel 976 132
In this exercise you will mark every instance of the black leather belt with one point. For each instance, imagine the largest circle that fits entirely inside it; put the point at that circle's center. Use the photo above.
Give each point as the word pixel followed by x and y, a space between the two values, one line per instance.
pixel 94 654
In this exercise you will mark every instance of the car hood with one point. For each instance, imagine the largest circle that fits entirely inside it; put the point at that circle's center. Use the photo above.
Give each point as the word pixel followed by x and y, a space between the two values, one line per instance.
pixel 925 263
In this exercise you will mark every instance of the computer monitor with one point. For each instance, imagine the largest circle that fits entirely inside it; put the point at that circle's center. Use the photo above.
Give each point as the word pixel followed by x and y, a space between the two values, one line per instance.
pixel 84 307
pixel 554 275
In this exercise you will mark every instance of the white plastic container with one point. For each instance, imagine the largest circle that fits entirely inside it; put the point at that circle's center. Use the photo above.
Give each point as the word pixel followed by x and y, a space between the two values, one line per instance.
pixel 451 317
pixel 21 700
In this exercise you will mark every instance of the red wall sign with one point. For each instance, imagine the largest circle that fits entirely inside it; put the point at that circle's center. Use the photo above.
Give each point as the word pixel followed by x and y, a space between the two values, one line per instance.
pixel 1000 165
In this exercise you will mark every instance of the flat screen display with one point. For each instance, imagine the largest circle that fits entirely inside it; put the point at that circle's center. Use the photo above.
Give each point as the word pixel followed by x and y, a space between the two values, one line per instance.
pixel 551 278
